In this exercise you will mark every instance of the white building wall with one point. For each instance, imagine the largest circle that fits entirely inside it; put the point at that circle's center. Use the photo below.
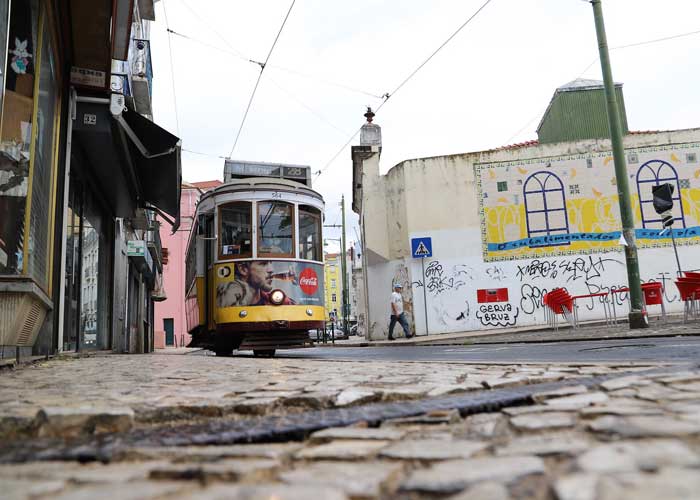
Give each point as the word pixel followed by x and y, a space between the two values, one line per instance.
pixel 437 197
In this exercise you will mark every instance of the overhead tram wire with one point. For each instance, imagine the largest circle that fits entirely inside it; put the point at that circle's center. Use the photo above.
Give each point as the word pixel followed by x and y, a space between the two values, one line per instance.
pixel 239 54
pixel 327 82
pixel 646 42
pixel 257 82
pixel 234 53
pixel 216 32
pixel 619 47
pixel 388 95
pixel 204 154
pixel 172 69
pixel 307 107
pixel 308 76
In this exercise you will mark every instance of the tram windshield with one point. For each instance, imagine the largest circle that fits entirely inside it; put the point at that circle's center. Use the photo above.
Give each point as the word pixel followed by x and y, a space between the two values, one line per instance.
pixel 309 233
pixel 275 229
pixel 235 233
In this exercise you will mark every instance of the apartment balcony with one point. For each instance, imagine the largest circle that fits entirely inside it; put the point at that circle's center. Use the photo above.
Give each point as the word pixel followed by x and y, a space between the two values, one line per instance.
pixel 155 246
pixel 141 76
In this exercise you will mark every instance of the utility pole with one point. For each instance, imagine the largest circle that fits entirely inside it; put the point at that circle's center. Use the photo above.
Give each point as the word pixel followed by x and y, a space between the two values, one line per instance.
pixel 637 315
pixel 343 267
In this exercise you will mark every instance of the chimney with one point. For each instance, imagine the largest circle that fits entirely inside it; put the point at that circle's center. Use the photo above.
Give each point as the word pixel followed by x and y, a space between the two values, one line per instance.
pixel 371 133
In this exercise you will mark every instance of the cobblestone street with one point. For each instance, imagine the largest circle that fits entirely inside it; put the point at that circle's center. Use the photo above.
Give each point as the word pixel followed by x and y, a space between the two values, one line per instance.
pixel 632 433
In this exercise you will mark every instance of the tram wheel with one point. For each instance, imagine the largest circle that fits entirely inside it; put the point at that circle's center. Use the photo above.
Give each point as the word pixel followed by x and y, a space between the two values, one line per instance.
pixel 267 353
pixel 227 353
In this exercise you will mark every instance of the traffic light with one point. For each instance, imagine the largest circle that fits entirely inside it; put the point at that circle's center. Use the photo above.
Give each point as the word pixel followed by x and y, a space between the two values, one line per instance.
pixel 663 197
pixel 663 202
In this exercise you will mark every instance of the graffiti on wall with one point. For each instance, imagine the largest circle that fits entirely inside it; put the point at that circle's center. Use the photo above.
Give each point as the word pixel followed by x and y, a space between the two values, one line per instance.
pixel 485 302
pixel 497 314
pixel 566 270
pixel 568 204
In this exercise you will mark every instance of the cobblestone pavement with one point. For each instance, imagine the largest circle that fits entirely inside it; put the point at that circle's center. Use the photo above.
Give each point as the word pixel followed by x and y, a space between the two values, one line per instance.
pixel 634 435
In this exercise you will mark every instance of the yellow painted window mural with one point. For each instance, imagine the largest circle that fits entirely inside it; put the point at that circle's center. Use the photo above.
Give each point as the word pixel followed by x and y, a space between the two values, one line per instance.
pixel 569 204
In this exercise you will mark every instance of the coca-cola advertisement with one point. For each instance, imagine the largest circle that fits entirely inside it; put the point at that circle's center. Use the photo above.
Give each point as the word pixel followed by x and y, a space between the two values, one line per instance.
pixel 251 282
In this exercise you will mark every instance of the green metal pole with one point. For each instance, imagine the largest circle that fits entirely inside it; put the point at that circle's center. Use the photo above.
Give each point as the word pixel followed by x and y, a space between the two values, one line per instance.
pixel 637 317
pixel 343 267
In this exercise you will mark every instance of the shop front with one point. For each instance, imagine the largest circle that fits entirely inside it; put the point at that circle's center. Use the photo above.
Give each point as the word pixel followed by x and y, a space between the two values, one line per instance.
pixel 81 174
pixel 29 149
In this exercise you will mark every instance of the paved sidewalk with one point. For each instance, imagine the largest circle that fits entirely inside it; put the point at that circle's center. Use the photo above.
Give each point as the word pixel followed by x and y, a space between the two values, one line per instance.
pixel 635 435
pixel 674 327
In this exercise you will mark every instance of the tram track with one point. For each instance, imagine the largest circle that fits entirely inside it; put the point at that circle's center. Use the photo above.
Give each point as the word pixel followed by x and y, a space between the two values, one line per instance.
pixel 284 428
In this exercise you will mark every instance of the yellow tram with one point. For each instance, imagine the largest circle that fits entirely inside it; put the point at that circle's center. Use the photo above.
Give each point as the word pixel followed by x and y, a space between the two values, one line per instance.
pixel 254 269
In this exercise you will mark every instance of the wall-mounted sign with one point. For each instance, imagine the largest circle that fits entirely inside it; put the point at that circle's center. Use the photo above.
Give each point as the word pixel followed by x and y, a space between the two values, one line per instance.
pixel 487 295
pixel 88 77
pixel 421 247
pixel 135 248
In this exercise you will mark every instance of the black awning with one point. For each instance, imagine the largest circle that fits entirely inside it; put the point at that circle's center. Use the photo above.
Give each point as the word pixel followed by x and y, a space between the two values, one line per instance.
pixel 136 162
pixel 99 144
pixel 156 156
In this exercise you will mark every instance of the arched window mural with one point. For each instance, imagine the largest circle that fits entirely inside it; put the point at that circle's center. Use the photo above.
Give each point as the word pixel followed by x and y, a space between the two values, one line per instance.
pixel 545 207
pixel 650 174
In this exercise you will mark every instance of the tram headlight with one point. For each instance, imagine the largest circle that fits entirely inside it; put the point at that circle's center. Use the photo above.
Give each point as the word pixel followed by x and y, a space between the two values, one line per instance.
pixel 243 313
pixel 309 312
pixel 277 297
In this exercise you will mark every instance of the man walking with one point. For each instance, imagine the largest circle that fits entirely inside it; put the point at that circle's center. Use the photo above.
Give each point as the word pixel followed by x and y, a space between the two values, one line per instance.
pixel 397 312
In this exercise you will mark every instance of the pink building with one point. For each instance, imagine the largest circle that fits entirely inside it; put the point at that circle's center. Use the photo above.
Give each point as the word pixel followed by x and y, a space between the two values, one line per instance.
pixel 170 326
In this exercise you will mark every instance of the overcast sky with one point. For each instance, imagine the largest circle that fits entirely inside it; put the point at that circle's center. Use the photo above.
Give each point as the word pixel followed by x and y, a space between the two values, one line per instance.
pixel 487 88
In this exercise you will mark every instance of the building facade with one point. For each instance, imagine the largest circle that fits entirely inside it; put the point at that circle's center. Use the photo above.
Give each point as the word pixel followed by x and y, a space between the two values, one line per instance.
pixel 356 290
pixel 83 170
pixel 509 224
pixel 170 325
pixel 333 285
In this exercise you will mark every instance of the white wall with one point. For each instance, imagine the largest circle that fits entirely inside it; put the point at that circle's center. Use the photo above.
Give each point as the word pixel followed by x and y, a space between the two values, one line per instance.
pixel 452 281
pixel 437 197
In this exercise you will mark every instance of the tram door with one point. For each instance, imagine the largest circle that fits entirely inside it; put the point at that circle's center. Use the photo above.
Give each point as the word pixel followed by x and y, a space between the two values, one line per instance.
pixel 210 253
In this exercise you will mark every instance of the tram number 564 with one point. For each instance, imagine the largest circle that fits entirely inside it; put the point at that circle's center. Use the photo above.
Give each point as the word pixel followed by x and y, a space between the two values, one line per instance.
pixel 276 194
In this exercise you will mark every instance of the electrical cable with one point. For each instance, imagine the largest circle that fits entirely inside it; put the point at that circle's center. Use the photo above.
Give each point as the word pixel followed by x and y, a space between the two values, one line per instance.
pixel 449 39
pixel 215 47
pixel 239 55
pixel 257 82
pixel 327 82
pixel 216 32
pixel 307 107
pixel 204 154
pixel 619 47
pixel 637 44
pixel 388 95
pixel 172 69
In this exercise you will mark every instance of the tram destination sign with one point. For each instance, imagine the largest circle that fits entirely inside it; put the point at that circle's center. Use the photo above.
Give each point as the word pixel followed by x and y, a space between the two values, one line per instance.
pixel 243 169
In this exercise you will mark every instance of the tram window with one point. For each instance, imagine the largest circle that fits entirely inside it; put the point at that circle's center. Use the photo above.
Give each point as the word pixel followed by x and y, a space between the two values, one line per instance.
pixel 309 233
pixel 275 229
pixel 235 234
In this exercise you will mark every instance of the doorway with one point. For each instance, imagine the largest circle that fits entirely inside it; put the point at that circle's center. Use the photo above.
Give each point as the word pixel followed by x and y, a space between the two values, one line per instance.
pixel 169 327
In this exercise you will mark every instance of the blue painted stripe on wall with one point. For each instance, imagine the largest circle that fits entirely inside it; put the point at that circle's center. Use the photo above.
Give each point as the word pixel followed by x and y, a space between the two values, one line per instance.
pixel 640 234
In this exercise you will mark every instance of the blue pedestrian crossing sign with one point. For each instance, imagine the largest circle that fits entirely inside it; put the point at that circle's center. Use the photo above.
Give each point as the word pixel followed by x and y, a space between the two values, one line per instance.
pixel 421 247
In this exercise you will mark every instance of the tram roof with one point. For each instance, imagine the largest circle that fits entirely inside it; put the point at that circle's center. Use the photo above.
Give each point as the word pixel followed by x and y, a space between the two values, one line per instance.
pixel 262 184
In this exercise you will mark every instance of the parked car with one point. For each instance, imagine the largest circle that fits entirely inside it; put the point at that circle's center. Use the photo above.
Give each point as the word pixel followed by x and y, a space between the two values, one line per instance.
pixel 337 333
